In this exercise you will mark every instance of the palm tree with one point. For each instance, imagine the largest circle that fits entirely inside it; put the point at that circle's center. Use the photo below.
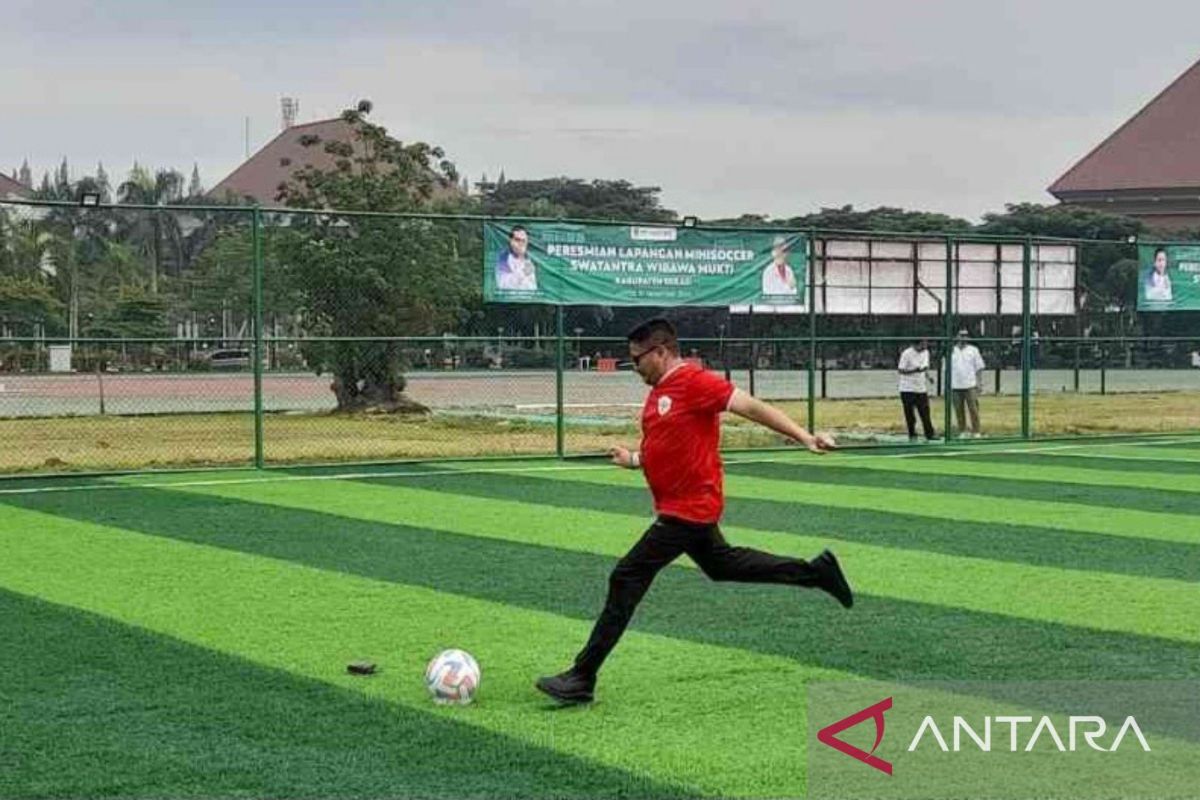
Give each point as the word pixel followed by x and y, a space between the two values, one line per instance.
pixel 156 233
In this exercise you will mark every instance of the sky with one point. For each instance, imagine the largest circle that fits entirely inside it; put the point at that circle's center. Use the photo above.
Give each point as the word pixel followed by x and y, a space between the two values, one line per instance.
pixel 774 107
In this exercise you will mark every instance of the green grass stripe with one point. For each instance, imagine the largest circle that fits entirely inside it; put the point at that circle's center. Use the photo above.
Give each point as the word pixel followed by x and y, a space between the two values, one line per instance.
pixel 993 541
pixel 1149 606
pixel 1131 523
pixel 1181 443
pixel 1044 470
pixel 310 622
pixel 847 472
pixel 882 637
pixel 1134 453
pixel 96 708
pixel 997 540
pixel 1168 470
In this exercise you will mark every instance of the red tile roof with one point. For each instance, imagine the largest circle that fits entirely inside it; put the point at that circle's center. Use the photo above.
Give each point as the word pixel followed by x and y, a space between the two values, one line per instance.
pixel 1158 148
pixel 10 187
pixel 260 177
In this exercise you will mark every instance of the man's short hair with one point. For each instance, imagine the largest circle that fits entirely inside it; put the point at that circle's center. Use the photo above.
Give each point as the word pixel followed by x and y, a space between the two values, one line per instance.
pixel 654 332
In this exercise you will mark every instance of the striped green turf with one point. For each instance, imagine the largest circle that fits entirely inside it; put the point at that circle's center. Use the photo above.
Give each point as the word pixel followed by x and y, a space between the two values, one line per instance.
pixel 1156 607
pixel 93 708
pixel 1133 523
pixel 985 565
pixel 1169 470
pixel 310 622
pixel 1000 470
pixel 934 642
pixel 1031 486
pixel 996 541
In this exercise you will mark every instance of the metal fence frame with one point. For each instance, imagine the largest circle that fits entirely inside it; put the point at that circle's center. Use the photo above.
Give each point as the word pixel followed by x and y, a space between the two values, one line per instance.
pixel 259 341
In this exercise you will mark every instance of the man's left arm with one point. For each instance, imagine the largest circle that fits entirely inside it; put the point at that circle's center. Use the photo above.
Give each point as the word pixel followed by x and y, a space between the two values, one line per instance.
pixel 755 410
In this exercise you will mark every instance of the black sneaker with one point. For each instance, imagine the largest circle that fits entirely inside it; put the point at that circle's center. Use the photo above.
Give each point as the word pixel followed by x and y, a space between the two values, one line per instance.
pixel 832 579
pixel 568 687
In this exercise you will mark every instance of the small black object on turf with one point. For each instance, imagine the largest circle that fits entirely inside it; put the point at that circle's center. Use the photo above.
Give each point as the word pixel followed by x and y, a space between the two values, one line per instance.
pixel 361 668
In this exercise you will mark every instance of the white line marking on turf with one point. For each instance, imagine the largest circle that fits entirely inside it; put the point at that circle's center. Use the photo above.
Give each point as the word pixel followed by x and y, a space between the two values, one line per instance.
pixel 442 472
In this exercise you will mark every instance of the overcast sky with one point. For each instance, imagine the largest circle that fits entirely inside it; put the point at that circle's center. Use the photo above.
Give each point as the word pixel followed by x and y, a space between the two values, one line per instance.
pixel 775 107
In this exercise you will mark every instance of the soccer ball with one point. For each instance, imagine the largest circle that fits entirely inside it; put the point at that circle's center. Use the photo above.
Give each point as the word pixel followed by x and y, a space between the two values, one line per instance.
pixel 452 677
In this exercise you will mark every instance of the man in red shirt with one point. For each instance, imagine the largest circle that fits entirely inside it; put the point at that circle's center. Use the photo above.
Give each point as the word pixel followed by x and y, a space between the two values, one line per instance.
pixel 681 431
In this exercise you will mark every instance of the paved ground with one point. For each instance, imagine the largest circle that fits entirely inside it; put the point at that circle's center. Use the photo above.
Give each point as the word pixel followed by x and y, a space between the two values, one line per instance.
pixel 30 395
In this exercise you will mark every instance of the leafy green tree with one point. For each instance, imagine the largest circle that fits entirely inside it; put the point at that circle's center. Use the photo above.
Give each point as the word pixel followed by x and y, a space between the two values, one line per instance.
pixel 576 198
pixel 372 276
pixel 157 234
pixel 27 304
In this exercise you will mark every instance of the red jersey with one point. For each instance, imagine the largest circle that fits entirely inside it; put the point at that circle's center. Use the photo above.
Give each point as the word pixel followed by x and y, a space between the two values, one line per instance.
pixel 681 435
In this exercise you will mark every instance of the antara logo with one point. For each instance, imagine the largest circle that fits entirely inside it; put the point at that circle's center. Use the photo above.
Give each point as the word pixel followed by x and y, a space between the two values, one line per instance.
pixel 1080 731
pixel 1091 728
pixel 828 735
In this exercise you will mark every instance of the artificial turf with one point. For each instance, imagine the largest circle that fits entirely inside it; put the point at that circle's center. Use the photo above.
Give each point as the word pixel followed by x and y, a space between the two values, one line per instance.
pixel 187 636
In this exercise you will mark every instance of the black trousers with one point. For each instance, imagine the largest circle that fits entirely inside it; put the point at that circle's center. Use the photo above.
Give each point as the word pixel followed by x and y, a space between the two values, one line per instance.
pixel 917 402
pixel 661 544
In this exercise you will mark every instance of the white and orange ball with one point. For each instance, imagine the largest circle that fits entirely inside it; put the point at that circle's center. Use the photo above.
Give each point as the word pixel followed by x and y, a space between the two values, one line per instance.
pixel 452 677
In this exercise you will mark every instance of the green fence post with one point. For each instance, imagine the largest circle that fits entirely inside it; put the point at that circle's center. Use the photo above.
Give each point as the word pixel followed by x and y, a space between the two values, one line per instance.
pixel 1026 333
pixel 256 222
pixel 560 430
pixel 812 333
pixel 948 340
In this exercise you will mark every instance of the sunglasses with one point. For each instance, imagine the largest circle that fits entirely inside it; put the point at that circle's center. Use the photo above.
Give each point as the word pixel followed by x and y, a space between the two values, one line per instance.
pixel 637 359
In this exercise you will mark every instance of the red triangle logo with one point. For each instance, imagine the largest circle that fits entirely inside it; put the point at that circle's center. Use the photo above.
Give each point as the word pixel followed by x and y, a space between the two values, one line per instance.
pixel 828 735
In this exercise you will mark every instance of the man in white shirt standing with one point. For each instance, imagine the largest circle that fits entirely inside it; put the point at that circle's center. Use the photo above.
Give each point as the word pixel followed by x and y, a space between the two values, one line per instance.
pixel 966 364
pixel 914 388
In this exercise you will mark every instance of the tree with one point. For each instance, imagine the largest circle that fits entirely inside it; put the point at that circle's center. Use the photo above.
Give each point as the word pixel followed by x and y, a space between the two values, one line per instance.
pixel 62 182
pixel 222 278
pixel 373 276
pixel 103 186
pixel 156 233
pixel 573 197
pixel 882 218
pixel 27 306
pixel 195 188
pixel 1104 277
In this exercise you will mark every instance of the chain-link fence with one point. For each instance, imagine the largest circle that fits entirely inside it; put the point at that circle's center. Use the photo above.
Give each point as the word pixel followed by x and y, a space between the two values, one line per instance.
pixel 143 337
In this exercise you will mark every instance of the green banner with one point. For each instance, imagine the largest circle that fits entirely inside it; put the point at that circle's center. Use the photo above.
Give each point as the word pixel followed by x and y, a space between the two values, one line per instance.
pixel 642 265
pixel 1169 277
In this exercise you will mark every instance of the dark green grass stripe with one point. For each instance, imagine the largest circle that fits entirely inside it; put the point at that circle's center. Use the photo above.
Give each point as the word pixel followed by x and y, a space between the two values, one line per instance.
pixel 93 708
pixel 1163 500
pixel 882 637
pixel 1168 468
pixel 998 542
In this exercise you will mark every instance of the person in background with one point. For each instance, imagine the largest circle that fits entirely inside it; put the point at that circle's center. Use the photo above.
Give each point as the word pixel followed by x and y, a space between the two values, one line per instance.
pixel 966 364
pixel 914 388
